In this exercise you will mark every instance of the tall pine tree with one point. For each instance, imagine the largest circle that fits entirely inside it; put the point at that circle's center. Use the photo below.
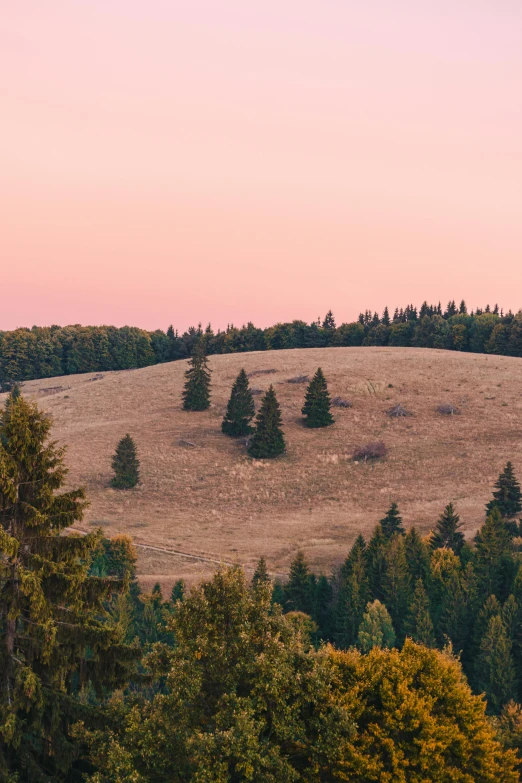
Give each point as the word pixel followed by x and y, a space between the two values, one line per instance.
pixel 54 636
pixel 240 409
pixel 299 588
pixel 507 496
pixel 419 625
pixel 316 408
pixel 392 522
pixel 125 464
pixel 196 393
pixel 447 533
pixel 495 668
pixel 268 439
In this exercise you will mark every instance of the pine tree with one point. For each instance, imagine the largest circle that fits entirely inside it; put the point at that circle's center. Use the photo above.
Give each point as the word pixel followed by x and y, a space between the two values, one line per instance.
pixel 495 669
pixel 419 625
pixel 376 628
pixel 396 584
pixel 321 608
pixel 196 393
pixel 507 496
pixel 417 557
pixel 55 638
pixel 316 408
pixel 376 562
pixel 298 589
pixel 268 439
pixel 447 533
pixel 261 575
pixel 240 408
pixel 353 596
pixel 329 320
pixel 493 562
pixel 125 464
pixel 392 522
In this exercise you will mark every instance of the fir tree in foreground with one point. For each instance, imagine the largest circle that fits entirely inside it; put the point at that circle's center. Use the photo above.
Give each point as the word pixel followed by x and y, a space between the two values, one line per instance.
pixel 125 464
pixel 316 408
pixel 196 393
pixel 447 533
pixel 54 638
pixel 268 439
pixel 376 628
pixel 240 408
pixel 507 496
pixel 392 522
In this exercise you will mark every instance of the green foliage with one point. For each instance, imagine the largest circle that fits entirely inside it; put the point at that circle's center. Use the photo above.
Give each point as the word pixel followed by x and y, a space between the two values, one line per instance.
pixel 376 629
pixel 316 408
pixel 56 641
pixel 125 464
pixel 392 522
pixel 419 625
pixel 268 438
pixel 507 496
pixel 493 548
pixel 447 533
pixel 261 575
pixel 240 408
pixel 495 668
pixel 196 393
pixel 299 588
pixel 353 595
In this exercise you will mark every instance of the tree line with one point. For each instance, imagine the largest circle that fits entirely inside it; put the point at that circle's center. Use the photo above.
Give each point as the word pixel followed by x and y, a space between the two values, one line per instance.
pixel 249 680
pixel 45 352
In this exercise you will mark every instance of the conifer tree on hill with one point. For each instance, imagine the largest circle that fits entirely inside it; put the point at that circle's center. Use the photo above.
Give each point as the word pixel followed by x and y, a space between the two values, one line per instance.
pixel 261 575
pixel 267 440
pixel 53 638
pixel 316 408
pixel 125 464
pixel 392 522
pixel 419 625
pixel 196 393
pixel 447 533
pixel 507 496
pixel 240 409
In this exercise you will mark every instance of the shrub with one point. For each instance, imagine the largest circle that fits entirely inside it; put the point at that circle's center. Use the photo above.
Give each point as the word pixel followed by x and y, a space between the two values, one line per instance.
pixel 448 409
pixel 339 402
pixel 397 412
pixel 370 451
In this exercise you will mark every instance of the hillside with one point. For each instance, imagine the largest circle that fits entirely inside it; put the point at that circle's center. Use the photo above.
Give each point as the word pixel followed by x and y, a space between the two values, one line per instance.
pixel 200 494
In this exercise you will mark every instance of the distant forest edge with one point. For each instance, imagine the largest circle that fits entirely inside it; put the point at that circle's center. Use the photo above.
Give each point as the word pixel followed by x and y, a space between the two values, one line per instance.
pixel 44 352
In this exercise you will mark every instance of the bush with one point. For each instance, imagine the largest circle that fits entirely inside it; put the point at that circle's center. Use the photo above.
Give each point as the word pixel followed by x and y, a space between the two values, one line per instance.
pixel 339 402
pixel 447 409
pixel 397 412
pixel 375 450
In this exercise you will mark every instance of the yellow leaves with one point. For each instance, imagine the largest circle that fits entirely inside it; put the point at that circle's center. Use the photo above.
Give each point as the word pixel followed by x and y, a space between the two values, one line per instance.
pixel 8 545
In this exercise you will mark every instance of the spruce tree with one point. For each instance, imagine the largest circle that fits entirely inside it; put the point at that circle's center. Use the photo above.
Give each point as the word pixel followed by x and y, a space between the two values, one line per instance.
pixel 298 589
pixel 447 533
pixel 322 608
pixel 376 562
pixel 316 408
pixel 493 561
pixel 196 393
pixel 392 522
pixel 353 595
pixel 507 496
pixel 240 408
pixel 55 637
pixel 267 440
pixel 261 575
pixel 419 625
pixel 495 668
pixel 396 585
pixel 125 464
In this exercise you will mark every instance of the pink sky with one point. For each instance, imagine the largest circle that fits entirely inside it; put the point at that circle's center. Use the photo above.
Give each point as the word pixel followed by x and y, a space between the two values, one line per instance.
pixel 168 161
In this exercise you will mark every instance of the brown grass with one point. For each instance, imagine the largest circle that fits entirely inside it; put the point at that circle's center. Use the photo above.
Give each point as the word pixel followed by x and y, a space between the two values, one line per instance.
pixel 211 499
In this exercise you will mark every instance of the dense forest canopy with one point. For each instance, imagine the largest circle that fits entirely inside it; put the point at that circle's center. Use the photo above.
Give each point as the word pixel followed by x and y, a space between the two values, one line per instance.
pixel 44 352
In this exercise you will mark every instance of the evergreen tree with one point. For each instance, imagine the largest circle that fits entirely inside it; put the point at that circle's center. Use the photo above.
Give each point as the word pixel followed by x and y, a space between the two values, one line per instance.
pixel 493 562
pixel 240 408
pixel 196 393
pixel 261 575
pixel 268 439
pixel 329 320
pixel 316 408
pixel 321 608
pixel 417 557
pixel 495 669
pixel 507 496
pixel 178 591
pixel 376 628
pixel 55 638
pixel 392 522
pixel 125 464
pixel 447 533
pixel 353 595
pixel 376 562
pixel 419 625
pixel 396 583
pixel 298 589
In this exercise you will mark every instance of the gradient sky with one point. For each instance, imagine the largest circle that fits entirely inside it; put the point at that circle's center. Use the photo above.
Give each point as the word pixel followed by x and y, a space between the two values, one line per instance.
pixel 165 161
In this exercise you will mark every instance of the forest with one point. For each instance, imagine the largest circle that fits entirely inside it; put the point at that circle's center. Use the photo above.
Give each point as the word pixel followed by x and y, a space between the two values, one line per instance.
pixel 402 665
pixel 45 352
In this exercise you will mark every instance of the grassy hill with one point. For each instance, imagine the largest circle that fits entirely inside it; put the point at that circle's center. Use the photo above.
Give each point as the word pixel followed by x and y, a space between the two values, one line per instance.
pixel 201 494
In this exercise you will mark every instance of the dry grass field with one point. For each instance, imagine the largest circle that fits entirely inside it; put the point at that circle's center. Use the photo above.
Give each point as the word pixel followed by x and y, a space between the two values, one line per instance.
pixel 206 497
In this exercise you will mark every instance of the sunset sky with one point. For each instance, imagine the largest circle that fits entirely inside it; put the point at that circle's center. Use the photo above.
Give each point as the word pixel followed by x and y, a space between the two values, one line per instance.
pixel 231 160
